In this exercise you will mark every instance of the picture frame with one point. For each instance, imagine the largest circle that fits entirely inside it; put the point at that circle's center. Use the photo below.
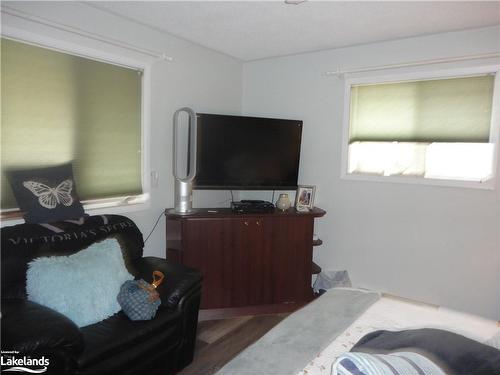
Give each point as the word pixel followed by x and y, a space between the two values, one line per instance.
pixel 304 199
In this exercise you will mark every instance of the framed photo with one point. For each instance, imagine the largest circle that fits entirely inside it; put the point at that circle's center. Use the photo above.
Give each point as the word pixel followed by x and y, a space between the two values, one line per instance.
pixel 304 199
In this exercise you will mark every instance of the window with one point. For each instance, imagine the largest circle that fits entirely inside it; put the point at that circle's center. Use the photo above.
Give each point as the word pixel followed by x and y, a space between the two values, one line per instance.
pixel 431 129
pixel 58 107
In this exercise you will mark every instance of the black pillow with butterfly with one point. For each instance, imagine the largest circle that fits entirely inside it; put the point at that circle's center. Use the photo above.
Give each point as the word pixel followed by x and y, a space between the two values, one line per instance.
pixel 46 195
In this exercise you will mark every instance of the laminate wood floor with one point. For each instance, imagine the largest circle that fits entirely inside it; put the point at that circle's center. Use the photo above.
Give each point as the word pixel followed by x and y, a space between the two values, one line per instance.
pixel 219 341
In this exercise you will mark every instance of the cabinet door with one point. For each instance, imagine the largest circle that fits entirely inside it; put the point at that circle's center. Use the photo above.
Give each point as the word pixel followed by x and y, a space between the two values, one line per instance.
pixel 248 261
pixel 288 240
pixel 251 264
pixel 207 246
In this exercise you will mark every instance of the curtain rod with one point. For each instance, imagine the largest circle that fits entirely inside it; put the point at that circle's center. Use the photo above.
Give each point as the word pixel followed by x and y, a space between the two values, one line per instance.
pixel 73 30
pixel 339 73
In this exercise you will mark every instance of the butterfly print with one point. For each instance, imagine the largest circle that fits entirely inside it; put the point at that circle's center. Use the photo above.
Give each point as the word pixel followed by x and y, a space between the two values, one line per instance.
pixel 50 197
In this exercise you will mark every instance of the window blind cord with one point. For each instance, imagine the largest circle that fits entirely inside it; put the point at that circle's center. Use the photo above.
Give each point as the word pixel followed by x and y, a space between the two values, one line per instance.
pixel 272 199
pixel 154 227
pixel 232 198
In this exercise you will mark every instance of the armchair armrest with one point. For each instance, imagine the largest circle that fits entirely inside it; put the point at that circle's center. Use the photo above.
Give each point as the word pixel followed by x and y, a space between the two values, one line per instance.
pixel 179 280
pixel 28 327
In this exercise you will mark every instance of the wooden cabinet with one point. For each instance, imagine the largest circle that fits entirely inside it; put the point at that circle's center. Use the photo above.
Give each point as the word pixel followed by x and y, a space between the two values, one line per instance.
pixel 246 259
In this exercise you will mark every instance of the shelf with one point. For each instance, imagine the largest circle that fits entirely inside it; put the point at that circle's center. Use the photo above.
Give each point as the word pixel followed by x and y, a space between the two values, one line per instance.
pixel 315 269
pixel 228 213
pixel 317 242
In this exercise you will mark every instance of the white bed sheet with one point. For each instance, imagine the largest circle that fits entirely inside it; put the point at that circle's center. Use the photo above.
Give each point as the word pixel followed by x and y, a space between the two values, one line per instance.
pixel 394 314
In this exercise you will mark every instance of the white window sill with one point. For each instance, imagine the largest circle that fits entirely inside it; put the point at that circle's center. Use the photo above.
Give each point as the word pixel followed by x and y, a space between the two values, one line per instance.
pixel 114 206
pixel 111 206
pixel 417 180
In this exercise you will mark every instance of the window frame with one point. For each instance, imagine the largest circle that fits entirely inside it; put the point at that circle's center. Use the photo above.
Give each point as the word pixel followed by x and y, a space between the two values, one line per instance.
pixel 115 205
pixel 416 76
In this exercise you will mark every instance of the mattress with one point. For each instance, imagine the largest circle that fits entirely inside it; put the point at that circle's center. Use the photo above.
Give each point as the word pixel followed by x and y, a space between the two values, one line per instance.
pixel 393 313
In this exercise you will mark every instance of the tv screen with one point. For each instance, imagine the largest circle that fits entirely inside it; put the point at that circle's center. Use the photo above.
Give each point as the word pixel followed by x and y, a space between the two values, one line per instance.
pixel 247 153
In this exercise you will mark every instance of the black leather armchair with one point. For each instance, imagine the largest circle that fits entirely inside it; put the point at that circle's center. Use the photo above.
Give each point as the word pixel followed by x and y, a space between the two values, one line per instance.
pixel 116 345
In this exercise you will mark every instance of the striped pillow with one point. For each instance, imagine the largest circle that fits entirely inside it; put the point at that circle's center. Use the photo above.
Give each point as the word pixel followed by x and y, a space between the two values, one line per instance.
pixel 399 363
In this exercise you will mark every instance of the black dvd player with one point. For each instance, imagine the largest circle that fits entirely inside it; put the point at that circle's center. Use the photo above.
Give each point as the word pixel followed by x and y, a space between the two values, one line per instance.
pixel 252 206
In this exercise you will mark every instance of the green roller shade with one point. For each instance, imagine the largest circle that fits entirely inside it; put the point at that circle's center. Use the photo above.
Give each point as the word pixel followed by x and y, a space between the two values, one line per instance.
pixel 440 110
pixel 58 107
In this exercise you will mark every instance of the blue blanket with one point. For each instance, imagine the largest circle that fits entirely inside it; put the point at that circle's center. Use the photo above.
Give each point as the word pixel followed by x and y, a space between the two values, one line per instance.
pixel 290 346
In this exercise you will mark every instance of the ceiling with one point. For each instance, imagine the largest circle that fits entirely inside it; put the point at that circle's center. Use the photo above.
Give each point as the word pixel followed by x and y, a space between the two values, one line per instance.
pixel 254 30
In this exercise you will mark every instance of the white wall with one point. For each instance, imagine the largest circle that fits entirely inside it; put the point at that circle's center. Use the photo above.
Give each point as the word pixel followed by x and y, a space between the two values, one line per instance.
pixel 439 245
pixel 435 244
pixel 199 78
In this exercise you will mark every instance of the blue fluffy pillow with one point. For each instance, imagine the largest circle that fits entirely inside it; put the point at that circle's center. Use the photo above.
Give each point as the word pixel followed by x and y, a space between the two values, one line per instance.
pixel 82 286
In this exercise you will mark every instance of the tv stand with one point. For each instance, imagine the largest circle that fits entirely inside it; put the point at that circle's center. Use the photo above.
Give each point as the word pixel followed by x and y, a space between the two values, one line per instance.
pixel 251 263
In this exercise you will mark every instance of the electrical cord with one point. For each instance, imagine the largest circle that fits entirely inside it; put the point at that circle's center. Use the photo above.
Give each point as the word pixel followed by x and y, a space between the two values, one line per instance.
pixel 154 227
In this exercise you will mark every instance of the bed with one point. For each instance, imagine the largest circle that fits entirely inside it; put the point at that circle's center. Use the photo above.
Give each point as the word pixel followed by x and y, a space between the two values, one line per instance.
pixel 310 340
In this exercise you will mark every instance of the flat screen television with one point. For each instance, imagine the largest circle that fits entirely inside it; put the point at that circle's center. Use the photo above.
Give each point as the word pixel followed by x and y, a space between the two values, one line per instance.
pixel 247 153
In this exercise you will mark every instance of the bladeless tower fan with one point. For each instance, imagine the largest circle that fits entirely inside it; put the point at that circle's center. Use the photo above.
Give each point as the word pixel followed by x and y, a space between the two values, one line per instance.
pixel 183 189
